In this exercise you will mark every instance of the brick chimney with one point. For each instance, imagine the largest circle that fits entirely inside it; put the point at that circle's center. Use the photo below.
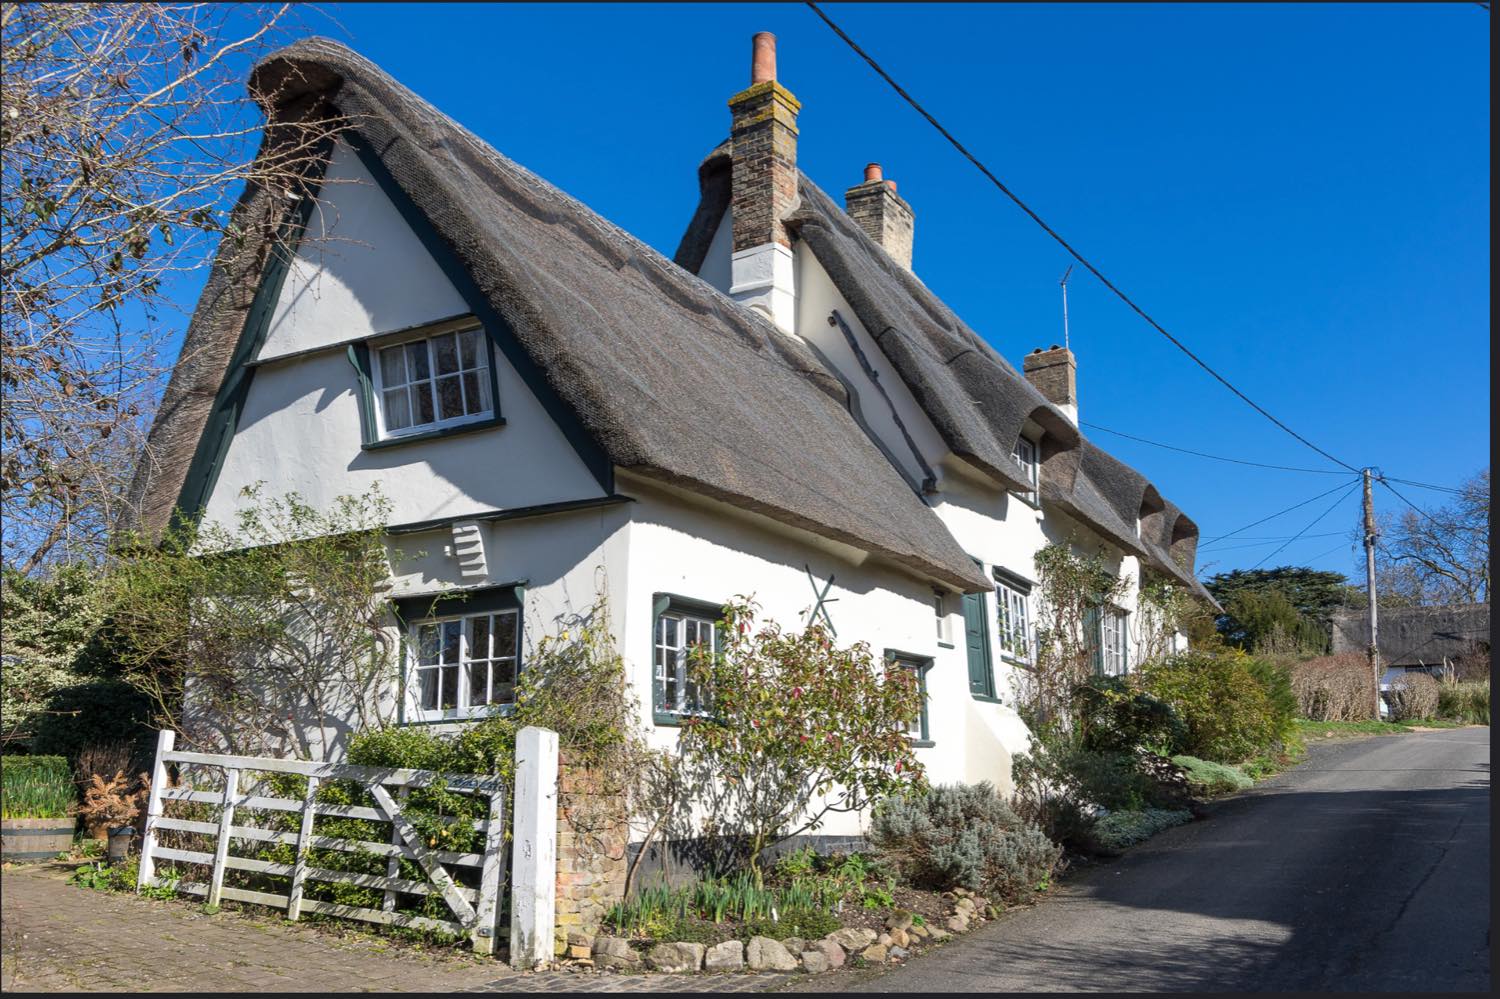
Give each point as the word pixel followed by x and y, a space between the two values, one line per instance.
pixel 1054 373
pixel 882 214
pixel 763 188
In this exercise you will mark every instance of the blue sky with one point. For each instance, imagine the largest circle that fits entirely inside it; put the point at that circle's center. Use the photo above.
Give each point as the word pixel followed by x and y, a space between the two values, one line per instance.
pixel 1300 193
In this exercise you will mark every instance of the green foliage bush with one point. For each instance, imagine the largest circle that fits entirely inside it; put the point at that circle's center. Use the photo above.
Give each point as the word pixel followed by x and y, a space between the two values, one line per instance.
pixel 962 835
pixel 1228 705
pixel 1413 696
pixel 1208 777
pixel 36 787
pixel 1119 830
pixel 1465 700
pixel 1114 717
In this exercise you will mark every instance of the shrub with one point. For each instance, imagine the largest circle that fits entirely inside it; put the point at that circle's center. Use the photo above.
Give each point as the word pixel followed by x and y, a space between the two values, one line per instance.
pixel 962 835
pixel 1465 700
pixel 1118 830
pixel 36 787
pixel 1412 696
pixel 1226 710
pixel 1275 678
pixel 1334 688
pixel 1113 717
pixel 1207 777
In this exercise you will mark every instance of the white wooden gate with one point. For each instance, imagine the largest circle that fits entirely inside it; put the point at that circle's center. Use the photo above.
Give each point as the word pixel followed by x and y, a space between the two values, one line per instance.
pixel 473 909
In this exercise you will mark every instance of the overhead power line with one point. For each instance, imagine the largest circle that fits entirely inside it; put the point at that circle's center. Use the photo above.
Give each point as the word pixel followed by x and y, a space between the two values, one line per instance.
pixel 1384 482
pixel 1342 496
pixel 1262 542
pixel 1427 485
pixel 1064 243
pixel 1215 457
pixel 1273 516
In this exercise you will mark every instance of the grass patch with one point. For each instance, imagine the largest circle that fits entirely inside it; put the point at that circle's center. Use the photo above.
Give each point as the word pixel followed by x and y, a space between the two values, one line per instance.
pixel 1323 730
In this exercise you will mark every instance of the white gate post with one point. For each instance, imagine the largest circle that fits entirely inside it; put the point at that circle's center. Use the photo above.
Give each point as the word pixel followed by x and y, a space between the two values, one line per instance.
pixel 533 895
pixel 165 740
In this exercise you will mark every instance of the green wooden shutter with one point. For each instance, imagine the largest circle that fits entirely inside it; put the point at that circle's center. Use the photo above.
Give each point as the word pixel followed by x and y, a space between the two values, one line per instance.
pixel 977 642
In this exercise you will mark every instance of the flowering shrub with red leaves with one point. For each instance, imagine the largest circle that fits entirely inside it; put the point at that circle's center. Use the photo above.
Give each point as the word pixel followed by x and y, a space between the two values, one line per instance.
pixel 797 728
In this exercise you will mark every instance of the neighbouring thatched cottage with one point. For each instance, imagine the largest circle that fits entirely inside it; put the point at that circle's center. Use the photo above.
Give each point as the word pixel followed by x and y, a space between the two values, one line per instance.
pixel 554 408
pixel 1416 639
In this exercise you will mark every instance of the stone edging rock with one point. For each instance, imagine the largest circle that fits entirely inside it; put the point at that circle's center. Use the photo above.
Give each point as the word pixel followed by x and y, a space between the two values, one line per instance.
pixel 902 935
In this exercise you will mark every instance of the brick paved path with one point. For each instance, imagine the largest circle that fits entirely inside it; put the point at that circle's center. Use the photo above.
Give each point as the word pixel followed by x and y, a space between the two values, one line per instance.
pixel 58 938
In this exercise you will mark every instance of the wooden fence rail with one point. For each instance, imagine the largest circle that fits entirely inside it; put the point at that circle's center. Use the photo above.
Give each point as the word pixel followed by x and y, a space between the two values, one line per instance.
pixel 473 910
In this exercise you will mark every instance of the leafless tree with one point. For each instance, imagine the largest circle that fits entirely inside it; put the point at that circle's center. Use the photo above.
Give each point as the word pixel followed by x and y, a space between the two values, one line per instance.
pixel 1440 555
pixel 127 135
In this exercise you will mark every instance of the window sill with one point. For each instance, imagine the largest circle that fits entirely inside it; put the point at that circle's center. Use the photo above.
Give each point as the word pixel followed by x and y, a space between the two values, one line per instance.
pixel 946 645
pixel 986 699
pixel 1018 663
pixel 499 710
pixel 672 719
pixel 1034 502
pixel 439 432
pixel 922 744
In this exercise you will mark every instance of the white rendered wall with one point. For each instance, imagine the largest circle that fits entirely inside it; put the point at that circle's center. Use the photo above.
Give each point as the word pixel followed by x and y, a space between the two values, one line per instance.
pixel 817 298
pixel 300 428
pixel 360 271
pixel 716 268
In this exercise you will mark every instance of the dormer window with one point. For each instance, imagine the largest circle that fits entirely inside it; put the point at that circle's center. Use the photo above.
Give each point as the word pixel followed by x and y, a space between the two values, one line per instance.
pixel 433 382
pixel 1025 456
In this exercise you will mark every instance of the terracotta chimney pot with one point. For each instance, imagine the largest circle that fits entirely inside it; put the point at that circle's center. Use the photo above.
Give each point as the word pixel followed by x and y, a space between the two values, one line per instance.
pixel 762 57
pixel 872 172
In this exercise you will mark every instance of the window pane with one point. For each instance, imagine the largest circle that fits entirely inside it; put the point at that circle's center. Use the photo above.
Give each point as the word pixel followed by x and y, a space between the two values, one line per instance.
pixel 427 644
pixel 450 399
pixel 416 361
pixel 397 410
pixel 467 348
pixel 451 631
pixel 479 683
pixel 427 680
pixel 392 367
pixel 476 392
pixel 504 671
pixel 505 635
pixel 449 695
pixel 445 354
pixel 479 637
pixel 421 397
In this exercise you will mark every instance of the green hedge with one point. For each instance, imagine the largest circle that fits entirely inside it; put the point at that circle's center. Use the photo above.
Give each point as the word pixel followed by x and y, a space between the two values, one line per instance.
pixel 36 787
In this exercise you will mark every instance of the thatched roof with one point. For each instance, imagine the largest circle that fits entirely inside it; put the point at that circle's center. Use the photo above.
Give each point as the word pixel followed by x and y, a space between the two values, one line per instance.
pixel 741 413
pixel 975 399
pixel 1415 636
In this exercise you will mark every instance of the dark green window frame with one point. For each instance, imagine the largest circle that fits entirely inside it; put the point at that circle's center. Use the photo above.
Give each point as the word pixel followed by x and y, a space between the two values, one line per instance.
pixel 921 664
pixel 417 609
pixel 361 355
pixel 668 603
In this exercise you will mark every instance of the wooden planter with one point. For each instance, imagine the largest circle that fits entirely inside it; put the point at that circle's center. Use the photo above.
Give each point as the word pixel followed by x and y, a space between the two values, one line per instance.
pixel 35 839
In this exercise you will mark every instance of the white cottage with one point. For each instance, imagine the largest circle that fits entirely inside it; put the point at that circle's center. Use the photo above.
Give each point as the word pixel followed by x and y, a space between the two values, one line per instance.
pixel 557 411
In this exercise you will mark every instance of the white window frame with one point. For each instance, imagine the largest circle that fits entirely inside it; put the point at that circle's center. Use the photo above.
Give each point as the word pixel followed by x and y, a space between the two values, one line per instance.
pixel 462 709
pixel 677 653
pixel 1025 455
pixel 1013 602
pixel 484 354
pixel 1114 640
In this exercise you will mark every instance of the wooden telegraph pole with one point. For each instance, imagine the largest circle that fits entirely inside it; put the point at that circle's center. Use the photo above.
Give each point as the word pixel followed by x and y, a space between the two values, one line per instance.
pixel 1374 650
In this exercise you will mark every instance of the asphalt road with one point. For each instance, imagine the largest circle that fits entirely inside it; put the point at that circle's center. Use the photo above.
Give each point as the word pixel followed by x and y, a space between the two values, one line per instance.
pixel 1365 868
